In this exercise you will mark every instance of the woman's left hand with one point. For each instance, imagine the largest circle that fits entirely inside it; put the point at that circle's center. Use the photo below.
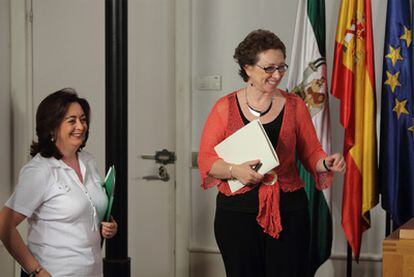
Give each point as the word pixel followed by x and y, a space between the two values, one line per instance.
pixel 336 163
pixel 109 229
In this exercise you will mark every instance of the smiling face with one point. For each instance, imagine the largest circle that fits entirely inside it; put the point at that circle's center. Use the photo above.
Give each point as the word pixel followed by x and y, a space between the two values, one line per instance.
pixel 71 131
pixel 262 81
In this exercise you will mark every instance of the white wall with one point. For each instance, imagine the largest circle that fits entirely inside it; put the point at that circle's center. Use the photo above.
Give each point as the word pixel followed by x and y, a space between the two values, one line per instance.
pixel 6 264
pixel 59 59
pixel 218 26
pixel 5 118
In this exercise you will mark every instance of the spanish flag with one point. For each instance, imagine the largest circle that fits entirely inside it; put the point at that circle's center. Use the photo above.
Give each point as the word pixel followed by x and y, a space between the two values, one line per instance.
pixel 354 85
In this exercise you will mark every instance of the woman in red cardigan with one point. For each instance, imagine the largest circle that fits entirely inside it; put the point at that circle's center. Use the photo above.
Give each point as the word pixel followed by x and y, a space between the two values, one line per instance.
pixel 263 230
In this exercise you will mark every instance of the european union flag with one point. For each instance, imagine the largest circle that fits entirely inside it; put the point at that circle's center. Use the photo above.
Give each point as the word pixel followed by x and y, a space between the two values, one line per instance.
pixel 396 170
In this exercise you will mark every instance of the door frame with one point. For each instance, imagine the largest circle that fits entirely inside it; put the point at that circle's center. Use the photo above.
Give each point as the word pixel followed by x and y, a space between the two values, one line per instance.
pixel 182 50
pixel 21 92
pixel 21 81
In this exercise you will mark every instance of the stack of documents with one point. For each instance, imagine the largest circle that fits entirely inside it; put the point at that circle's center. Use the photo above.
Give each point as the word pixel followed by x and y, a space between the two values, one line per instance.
pixel 248 143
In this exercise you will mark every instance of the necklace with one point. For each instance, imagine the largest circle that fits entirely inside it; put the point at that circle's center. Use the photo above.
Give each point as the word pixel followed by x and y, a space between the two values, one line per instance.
pixel 254 111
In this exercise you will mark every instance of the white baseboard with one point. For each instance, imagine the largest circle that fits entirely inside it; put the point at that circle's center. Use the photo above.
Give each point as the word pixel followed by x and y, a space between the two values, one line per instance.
pixel 334 256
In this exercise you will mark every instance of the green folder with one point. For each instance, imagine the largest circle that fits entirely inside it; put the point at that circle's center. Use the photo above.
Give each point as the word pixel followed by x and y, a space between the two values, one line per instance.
pixel 109 186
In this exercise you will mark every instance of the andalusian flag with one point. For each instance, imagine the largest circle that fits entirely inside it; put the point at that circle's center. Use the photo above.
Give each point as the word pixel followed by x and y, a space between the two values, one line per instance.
pixel 308 80
pixel 397 116
pixel 353 83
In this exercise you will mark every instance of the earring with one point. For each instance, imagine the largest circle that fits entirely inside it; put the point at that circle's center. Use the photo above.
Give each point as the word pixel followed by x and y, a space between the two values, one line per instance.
pixel 52 139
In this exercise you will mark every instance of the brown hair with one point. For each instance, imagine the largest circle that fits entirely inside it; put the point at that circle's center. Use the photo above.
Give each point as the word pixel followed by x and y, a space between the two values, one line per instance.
pixel 253 44
pixel 49 116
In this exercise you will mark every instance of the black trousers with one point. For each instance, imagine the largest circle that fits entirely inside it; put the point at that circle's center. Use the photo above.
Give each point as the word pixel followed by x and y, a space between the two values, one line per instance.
pixel 249 252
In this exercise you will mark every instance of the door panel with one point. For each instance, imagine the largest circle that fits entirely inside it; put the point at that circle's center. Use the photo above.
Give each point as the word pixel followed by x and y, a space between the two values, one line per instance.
pixel 151 128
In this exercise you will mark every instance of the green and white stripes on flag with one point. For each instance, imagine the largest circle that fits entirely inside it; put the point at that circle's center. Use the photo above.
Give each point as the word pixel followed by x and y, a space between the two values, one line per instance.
pixel 308 79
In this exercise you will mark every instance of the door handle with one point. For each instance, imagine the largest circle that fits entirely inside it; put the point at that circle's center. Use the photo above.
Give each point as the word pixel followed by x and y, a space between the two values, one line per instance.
pixel 162 175
pixel 161 157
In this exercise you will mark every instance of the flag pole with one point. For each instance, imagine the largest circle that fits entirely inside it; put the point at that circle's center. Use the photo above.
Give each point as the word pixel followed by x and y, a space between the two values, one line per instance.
pixel 348 261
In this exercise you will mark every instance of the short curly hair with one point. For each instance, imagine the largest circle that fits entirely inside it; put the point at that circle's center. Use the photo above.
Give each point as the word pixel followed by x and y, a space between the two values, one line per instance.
pixel 254 43
pixel 49 116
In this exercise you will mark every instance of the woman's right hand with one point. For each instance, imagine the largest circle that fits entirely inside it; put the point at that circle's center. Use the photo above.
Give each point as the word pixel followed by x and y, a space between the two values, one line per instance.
pixel 245 174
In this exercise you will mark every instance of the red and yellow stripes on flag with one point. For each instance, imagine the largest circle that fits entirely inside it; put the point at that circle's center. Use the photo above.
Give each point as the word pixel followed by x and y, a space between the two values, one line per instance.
pixel 353 83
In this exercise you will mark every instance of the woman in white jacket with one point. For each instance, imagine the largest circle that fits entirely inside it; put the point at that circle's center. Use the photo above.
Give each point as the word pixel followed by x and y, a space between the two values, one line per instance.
pixel 60 193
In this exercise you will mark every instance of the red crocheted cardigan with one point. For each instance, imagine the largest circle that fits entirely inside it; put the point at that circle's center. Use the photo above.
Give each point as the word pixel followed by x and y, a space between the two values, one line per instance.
pixel 297 135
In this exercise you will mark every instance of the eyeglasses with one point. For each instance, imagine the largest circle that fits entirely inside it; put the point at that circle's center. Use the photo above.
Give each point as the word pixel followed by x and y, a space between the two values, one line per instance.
pixel 272 68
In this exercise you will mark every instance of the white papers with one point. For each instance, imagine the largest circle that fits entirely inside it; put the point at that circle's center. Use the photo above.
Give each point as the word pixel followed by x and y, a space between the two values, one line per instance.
pixel 248 143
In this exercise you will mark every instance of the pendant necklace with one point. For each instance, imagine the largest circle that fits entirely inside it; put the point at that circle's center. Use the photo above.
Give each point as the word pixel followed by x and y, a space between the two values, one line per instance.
pixel 254 111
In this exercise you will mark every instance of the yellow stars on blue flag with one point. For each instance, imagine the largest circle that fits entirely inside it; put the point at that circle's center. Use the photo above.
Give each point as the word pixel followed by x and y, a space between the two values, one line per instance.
pixel 396 163
pixel 394 55
pixel 398 53
pixel 411 129
pixel 392 80
pixel 406 36
pixel 399 107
